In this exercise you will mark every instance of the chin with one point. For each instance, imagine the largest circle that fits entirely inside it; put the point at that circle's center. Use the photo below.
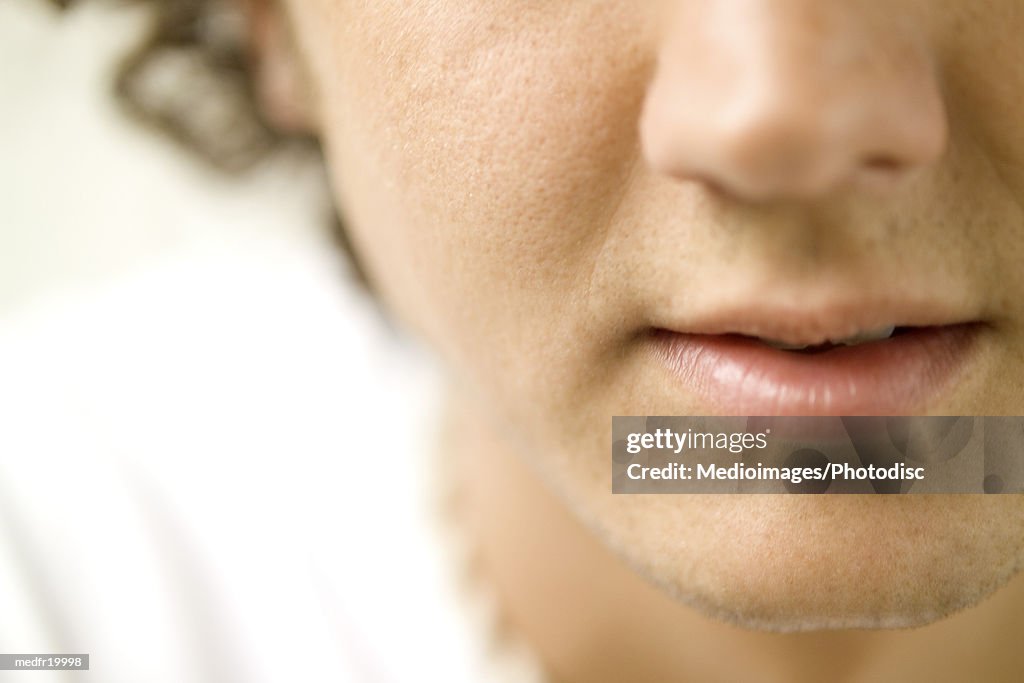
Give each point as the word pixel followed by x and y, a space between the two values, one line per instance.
pixel 805 563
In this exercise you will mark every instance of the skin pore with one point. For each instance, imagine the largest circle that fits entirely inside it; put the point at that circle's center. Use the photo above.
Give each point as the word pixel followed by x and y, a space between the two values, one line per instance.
pixel 535 186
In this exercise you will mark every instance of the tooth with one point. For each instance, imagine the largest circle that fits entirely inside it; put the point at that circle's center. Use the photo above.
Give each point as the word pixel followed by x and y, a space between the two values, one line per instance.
pixel 874 335
pixel 858 338
pixel 785 346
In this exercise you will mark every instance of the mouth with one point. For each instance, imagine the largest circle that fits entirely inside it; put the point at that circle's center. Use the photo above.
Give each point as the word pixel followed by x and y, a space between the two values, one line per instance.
pixel 749 365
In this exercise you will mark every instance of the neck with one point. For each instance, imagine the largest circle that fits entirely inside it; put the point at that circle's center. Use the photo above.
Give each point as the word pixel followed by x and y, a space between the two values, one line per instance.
pixel 590 618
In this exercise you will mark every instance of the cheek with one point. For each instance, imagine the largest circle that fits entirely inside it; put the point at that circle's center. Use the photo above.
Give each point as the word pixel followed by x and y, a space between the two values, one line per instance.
pixel 480 154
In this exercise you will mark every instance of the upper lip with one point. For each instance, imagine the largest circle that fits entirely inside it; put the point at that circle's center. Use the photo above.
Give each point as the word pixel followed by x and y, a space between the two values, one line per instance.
pixel 812 322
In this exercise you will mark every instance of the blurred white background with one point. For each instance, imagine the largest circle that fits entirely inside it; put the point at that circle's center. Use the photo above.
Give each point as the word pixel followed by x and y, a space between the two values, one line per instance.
pixel 88 197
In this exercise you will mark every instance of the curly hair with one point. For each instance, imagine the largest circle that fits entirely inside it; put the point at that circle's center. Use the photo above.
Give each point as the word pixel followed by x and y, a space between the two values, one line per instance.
pixel 190 79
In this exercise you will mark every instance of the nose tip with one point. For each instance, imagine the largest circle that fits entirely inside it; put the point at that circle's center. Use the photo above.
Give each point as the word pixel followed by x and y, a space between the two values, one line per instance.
pixel 760 124
pixel 793 148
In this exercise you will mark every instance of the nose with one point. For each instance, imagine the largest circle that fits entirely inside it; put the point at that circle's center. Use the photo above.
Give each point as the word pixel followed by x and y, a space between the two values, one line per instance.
pixel 767 99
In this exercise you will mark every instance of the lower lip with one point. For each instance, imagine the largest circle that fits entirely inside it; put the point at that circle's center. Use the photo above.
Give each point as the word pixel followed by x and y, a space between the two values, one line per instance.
pixel 743 376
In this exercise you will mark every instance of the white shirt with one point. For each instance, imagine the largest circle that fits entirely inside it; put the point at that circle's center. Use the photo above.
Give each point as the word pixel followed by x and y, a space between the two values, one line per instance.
pixel 217 471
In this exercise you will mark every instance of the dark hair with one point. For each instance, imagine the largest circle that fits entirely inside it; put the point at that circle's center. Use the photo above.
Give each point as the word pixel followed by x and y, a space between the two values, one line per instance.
pixel 190 79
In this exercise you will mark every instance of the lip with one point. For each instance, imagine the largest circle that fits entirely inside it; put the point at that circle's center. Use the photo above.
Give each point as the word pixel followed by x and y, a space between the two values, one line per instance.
pixel 741 375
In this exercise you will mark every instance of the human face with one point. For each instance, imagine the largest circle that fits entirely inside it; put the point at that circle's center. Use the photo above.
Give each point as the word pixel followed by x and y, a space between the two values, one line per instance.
pixel 574 201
